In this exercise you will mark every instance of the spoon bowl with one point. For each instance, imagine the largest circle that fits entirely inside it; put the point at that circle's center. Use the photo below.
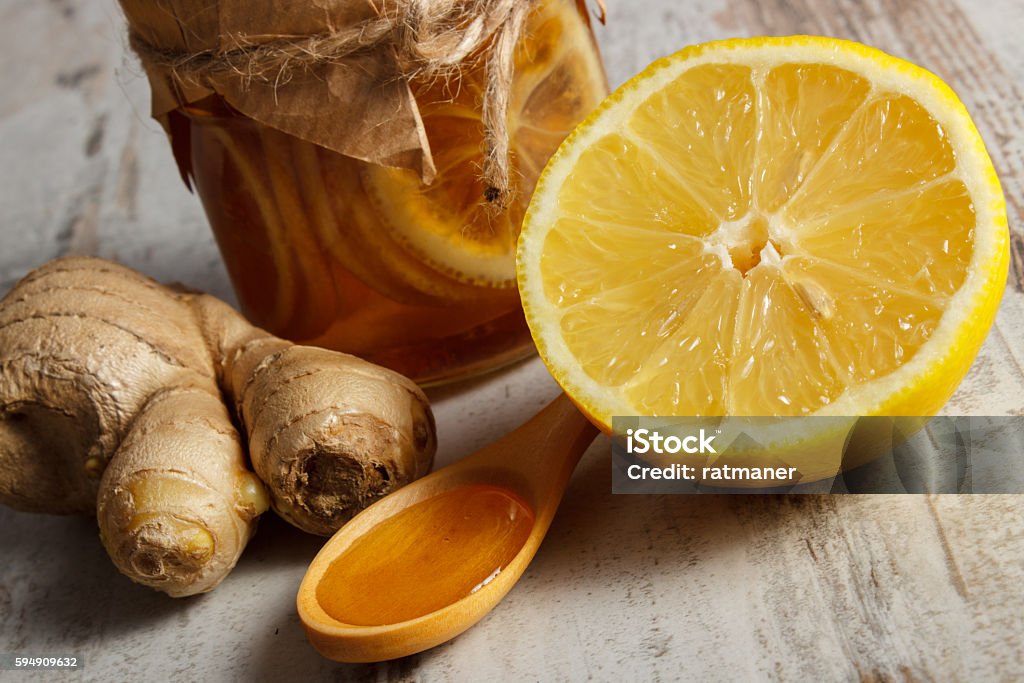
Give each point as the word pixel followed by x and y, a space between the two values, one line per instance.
pixel 428 561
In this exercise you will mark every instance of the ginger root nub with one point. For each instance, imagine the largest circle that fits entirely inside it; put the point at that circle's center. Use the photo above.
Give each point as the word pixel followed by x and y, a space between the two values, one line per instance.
pixel 177 504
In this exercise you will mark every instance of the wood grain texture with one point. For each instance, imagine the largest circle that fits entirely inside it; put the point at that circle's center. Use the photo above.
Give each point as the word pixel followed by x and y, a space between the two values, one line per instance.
pixel 710 588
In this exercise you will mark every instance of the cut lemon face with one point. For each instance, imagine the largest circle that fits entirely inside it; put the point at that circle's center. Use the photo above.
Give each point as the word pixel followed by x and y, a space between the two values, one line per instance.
pixel 447 224
pixel 775 226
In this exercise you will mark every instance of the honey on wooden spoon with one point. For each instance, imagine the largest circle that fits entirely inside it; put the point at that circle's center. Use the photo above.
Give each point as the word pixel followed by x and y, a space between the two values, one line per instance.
pixel 430 560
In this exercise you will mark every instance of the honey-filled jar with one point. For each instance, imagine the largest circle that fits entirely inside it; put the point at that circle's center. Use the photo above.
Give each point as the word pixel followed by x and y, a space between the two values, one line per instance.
pixel 365 166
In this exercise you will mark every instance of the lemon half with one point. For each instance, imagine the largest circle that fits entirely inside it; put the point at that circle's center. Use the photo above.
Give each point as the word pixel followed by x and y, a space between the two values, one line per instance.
pixel 769 226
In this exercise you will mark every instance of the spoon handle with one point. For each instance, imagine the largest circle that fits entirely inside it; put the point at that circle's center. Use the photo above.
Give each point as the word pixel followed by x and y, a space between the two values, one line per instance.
pixel 537 459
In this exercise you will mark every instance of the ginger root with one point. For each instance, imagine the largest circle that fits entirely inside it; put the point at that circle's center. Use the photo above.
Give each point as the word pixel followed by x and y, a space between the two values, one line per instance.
pixel 328 433
pixel 112 399
pixel 83 345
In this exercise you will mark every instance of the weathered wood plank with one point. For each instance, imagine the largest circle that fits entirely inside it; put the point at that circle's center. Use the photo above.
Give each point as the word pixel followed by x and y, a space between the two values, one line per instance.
pixel 660 588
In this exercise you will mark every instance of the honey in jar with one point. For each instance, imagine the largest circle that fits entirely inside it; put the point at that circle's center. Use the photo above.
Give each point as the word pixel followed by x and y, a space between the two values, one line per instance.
pixel 368 257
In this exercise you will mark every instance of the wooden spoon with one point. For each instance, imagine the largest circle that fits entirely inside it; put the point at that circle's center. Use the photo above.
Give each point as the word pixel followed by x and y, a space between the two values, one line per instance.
pixel 425 563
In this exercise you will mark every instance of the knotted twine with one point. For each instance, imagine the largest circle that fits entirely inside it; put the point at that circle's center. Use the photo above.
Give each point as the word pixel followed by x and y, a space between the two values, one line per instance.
pixel 427 38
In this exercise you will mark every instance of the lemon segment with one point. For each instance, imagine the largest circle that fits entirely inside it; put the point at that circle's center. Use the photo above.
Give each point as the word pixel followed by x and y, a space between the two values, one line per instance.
pixel 602 191
pixel 702 127
pixel 666 284
pixel 870 328
pixel 704 336
pixel 936 218
pixel 803 108
pixel 891 143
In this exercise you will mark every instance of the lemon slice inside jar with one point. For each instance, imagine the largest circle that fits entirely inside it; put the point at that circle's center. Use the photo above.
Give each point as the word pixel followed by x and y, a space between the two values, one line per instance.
pixel 447 225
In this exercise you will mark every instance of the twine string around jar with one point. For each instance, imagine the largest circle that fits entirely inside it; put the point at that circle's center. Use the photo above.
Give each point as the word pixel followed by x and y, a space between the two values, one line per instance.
pixel 428 37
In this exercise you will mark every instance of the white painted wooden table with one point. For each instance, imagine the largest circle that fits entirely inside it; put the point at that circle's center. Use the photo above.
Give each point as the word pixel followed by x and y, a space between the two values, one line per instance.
pixel 702 588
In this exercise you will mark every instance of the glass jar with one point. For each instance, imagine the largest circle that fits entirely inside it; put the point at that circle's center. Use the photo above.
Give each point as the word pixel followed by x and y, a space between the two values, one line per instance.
pixel 328 250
